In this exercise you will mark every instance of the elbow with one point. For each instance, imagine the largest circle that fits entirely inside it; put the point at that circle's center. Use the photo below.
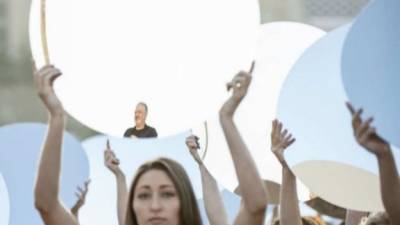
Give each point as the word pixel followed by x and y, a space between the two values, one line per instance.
pixel 259 202
pixel 225 119
pixel 43 204
pixel 42 207
pixel 257 207
pixel 225 114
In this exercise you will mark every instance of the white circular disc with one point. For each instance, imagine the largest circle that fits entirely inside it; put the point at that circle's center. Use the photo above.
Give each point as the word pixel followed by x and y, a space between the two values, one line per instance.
pixel 172 55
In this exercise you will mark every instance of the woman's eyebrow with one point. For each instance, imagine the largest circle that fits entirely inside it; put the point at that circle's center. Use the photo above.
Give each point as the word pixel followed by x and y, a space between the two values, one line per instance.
pixel 166 186
pixel 144 187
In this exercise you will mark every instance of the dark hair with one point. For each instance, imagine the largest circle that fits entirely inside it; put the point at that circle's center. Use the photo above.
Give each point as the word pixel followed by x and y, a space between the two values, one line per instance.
pixel 189 211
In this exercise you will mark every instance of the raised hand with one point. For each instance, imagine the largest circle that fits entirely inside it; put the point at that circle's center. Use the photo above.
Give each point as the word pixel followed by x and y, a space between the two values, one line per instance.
pixel 366 135
pixel 289 208
pixel 239 84
pixel 44 79
pixel 111 161
pixel 192 142
pixel 280 140
pixel 81 194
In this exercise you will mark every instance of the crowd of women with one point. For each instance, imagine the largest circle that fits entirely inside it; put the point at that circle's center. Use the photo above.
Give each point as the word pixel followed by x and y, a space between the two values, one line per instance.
pixel 161 191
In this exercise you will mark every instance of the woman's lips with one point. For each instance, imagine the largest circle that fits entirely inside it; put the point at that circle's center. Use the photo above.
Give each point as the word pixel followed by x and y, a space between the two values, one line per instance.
pixel 157 220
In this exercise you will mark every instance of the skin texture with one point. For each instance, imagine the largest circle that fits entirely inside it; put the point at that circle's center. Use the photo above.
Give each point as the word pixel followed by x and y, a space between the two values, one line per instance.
pixel 112 163
pixel 254 195
pixel 156 200
pixel 367 137
pixel 289 207
pixel 46 190
pixel 212 199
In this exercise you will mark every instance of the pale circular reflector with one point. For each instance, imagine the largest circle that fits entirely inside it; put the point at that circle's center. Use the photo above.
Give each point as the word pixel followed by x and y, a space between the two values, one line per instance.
pixel 20 151
pixel 371 68
pixel 326 156
pixel 172 55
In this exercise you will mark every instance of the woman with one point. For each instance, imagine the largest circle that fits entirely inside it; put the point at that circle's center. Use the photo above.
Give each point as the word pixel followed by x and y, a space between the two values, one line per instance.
pixel 212 199
pixel 254 196
pixel 366 136
pixel 47 201
pixel 161 193
pixel 281 139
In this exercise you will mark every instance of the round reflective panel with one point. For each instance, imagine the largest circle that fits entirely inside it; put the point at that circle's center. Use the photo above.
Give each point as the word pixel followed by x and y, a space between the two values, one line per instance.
pixel 168 54
pixel 326 155
pixel 20 150
pixel 371 68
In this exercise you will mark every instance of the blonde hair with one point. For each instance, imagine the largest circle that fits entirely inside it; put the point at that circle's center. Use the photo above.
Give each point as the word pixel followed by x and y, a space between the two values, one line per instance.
pixel 306 220
pixel 189 211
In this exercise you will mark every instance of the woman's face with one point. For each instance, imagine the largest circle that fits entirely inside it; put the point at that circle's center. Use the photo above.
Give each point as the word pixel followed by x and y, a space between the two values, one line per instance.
pixel 156 201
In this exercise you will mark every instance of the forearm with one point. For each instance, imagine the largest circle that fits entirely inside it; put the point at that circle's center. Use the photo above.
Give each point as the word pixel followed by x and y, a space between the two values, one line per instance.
pixel 122 195
pixel 289 211
pixel 390 185
pixel 212 199
pixel 251 185
pixel 48 178
pixel 354 217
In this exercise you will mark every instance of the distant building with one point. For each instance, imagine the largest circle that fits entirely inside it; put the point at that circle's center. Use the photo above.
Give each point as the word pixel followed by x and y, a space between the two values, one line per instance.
pixel 326 14
pixel 14 39
pixel 329 14
pixel 3 26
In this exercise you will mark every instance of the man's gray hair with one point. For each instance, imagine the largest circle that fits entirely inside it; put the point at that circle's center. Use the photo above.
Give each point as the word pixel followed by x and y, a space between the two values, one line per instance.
pixel 145 106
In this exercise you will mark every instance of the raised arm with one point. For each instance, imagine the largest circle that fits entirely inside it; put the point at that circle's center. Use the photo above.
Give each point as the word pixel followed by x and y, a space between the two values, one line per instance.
pixel 112 163
pixel 212 199
pixel 254 196
pixel 367 137
pixel 289 205
pixel 46 191
pixel 81 195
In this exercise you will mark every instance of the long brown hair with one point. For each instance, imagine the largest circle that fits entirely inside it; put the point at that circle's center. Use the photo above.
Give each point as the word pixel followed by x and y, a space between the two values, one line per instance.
pixel 189 211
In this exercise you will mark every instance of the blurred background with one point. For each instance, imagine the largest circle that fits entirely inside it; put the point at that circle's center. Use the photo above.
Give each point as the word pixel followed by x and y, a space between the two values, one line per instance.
pixel 18 100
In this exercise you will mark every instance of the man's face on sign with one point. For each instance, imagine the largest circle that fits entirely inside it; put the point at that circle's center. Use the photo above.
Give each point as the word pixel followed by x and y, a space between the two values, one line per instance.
pixel 140 114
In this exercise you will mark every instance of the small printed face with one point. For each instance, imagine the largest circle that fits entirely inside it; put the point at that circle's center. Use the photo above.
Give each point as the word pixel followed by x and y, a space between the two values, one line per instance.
pixel 140 114
pixel 156 201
